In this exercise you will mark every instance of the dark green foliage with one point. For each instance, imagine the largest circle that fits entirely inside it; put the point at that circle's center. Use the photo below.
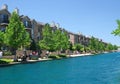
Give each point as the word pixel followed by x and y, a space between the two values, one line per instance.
pixel 93 44
pixel 99 46
pixel 62 55
pixel 116 32
pixel 115 47
pixel 65 41
pixel 71 46
pixel 7 53
pixel 58 56
pixel 109 47
pixel 54 57
pixel 1 39
pixel 78 47
pixel 15 34
pixel 96 45
pixel 54 40
pixel 34 57
pixel 47 42
pixel 61 41
pixel 33 46
pixel 3 62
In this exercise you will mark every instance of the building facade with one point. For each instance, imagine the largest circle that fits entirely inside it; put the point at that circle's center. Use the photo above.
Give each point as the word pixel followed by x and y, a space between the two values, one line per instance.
pixel 35 28
pixel 4 17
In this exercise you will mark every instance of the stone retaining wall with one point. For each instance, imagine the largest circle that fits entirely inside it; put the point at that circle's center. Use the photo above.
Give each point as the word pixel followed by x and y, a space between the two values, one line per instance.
pixel 8 57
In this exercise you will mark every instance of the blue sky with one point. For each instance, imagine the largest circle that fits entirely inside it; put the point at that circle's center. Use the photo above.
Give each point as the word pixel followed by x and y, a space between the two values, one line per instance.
pixel 90 17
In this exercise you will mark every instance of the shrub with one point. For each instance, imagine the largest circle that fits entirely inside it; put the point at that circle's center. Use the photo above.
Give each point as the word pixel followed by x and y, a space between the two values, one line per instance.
pixel 58 56
pixel 54 57
pixel 33 57
pixel 7 53
pixel 63 56
pixel 5 61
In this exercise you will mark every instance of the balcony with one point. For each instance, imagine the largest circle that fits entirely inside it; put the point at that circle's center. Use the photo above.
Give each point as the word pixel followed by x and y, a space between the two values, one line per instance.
pixel 4 22
pixel 4 19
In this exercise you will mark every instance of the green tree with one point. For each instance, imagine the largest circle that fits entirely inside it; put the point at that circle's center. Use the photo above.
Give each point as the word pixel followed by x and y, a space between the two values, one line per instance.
pixel 33 45
pixel 47 42
pixel 115 47
pixel 87 48
pixel 71 46
pixel 1 39
pixel 101 46
pixel 65 41
pixel 26 40
pixel 116 32
pixel 15 34
pixel 92 44
pixel 57 37
pixel 96 45
pixel 109 47
pixel 61 40
pixel 78 47
pixel 53 40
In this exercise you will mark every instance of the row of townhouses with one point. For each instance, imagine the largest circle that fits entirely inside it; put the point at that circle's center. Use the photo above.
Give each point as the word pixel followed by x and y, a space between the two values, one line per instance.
pixel 35 28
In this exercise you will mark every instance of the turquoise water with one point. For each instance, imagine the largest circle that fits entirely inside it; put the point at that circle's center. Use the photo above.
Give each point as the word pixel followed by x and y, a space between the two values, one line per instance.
pixel 99 69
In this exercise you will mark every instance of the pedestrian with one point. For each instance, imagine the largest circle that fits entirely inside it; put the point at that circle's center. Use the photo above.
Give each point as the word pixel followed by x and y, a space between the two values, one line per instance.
pixel 33 53
pixel 1 53
pixel 30 55
pixel 47 54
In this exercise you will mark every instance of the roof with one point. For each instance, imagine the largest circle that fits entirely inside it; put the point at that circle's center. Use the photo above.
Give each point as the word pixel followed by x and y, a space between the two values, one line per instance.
pixel 4 11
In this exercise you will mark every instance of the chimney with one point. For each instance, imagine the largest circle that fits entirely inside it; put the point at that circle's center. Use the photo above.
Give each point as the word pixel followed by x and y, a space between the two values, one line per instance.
pixel 53 24
pixel 58 25
pixel 5 7
pixel 16 10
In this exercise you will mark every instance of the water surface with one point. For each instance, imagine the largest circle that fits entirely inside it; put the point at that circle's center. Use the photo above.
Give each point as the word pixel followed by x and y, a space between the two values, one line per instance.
pixel 98 69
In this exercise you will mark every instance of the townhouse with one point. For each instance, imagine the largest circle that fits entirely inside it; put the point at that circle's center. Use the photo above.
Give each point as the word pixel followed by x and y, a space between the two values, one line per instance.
pixel 35 28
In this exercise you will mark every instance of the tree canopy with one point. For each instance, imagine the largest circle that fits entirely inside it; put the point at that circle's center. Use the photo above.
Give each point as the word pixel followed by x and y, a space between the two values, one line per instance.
pixel 53 39
pixel 116 32
pixel 47 42
pixel 1 39
pixel 15 33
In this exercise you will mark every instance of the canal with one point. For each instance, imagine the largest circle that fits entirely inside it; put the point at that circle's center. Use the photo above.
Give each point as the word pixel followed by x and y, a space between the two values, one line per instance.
pixel 97 69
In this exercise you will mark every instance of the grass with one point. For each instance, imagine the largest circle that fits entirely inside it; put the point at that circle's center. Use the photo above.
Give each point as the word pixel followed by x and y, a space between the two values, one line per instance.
pixel 62 55
pixel 5 61
pixel 57 56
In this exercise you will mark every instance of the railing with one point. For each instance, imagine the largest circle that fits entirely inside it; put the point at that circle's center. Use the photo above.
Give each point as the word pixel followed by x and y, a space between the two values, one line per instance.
pixel 4 21
pixel 29 26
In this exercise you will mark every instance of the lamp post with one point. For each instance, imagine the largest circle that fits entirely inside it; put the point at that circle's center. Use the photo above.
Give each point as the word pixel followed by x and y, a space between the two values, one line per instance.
pixel 24 52
pixel 25 55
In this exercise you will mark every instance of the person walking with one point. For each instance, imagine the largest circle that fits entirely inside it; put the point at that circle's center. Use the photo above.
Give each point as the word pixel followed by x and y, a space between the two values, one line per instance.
pixel 47 54
pixel 1 53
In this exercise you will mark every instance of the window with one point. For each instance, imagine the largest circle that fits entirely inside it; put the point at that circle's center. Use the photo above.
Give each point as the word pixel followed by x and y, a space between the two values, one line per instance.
pixel 27 24
pixel 4 18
